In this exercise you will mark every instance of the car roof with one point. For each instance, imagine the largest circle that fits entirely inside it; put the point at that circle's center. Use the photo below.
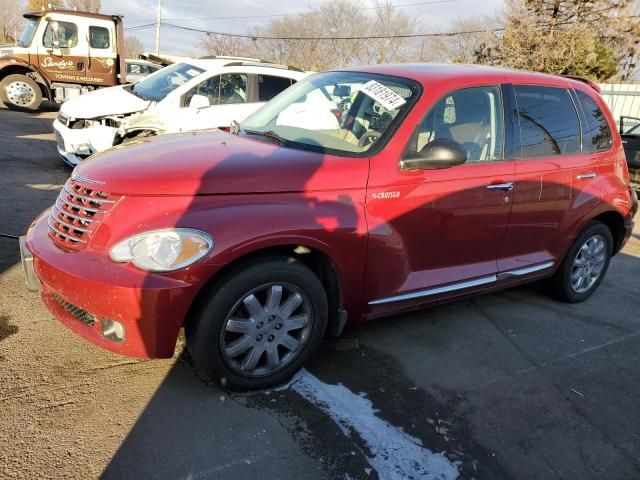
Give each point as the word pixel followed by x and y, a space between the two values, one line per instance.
pixel 251 65
pixel 142 62
pixel 427 73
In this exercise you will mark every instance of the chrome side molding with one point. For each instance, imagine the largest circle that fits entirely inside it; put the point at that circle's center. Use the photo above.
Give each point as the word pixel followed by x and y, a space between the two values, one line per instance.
pixel 525 270
pixel 476 282
pixel 436 290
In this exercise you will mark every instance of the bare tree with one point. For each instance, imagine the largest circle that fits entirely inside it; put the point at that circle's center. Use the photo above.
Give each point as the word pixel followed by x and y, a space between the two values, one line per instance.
pixel 461 47
pixel 132 46
pixel 92 6
pixel 335 20
pixel 37 5
pixel 10 20
pixel 224 45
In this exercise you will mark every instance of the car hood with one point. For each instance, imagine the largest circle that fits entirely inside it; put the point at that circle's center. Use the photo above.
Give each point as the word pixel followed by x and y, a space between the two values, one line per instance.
pixel 216 162
pixel 102 102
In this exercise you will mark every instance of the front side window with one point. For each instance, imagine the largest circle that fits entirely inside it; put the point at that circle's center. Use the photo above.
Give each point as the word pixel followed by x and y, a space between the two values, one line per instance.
pixel 221 90
pixel 157 86
pixel 99 37
pixel 343 113
pixel 67 35
pixel 472 117
pixel 270 86
pixel 549 122
pixel 597 135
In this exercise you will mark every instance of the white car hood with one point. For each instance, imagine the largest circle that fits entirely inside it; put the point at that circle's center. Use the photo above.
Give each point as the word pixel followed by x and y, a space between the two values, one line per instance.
pixel 102 102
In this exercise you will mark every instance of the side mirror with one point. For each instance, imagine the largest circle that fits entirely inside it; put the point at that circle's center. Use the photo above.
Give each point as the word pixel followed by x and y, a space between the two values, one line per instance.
pixel 199 101
pixel 55 41
pixel 438 154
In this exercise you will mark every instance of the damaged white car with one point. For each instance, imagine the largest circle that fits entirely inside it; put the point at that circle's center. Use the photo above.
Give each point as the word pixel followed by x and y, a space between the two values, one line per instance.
pixel 195 95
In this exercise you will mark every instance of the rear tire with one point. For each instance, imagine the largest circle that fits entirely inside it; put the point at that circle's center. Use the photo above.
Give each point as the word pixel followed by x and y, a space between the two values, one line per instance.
pixel 585 264
pixel 21 93
pixel 259 325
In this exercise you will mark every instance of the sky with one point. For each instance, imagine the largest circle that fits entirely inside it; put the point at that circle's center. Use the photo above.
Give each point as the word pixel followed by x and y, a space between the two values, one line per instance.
pixel 192 13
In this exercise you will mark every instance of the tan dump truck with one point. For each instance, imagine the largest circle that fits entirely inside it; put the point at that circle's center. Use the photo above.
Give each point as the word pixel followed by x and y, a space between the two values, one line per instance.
pixel 61 54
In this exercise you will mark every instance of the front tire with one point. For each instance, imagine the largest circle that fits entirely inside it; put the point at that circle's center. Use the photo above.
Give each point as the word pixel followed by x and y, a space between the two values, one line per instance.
pixel 259 325
pixel 585 264
pixel 19 92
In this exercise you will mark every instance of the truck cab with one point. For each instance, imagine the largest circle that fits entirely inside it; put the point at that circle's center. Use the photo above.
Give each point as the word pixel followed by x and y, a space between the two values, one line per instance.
pixel 61 54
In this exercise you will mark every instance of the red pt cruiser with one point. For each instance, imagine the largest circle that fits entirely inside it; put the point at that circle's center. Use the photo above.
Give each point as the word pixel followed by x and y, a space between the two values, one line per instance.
pixel 352 195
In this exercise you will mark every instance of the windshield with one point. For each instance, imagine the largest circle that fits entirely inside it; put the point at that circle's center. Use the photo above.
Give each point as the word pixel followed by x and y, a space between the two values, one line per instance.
pixel 344 113
pixel 28 32
pixel 160 84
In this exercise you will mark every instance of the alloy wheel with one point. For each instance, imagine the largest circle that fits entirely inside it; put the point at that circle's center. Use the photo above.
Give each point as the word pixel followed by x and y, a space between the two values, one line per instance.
pixel 266 330
pixel 588 264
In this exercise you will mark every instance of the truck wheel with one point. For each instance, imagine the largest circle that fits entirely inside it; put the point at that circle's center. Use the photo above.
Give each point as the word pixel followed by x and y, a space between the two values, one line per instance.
pixel 585 264
pixel 19 92
pixel 259 325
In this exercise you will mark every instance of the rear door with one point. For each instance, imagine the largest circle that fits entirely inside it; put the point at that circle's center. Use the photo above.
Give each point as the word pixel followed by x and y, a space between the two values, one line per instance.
pixel 552 175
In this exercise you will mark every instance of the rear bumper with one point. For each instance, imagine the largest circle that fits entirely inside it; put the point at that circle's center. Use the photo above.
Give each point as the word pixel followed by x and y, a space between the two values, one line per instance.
pixel 83 288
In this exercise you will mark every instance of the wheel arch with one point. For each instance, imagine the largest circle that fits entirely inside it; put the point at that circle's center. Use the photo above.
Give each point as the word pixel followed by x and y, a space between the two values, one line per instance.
pixel 25 69
pixel 615 222
pixel 314 258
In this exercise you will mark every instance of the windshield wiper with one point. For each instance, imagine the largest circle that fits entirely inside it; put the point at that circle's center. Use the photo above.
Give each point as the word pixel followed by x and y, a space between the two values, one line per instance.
pixel 270 134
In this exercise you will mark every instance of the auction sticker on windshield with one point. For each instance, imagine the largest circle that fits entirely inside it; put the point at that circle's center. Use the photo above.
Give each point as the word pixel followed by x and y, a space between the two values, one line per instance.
pixel 383 95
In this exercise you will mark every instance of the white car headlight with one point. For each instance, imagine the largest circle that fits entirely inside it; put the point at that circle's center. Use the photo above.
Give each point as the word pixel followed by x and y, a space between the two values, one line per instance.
pixel 163 250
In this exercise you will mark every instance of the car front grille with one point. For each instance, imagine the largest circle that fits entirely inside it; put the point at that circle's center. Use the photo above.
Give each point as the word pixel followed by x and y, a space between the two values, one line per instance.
pixel 77 214
pixel 82 315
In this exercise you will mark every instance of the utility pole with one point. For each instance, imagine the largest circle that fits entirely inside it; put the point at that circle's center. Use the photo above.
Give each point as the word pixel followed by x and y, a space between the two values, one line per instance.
pixel 158 27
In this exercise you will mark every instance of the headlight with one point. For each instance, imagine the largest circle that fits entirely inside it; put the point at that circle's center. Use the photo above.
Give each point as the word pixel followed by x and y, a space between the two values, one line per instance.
pixel 163 250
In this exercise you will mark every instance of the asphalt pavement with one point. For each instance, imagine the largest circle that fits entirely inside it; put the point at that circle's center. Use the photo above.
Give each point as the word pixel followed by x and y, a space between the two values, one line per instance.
pixel 508 385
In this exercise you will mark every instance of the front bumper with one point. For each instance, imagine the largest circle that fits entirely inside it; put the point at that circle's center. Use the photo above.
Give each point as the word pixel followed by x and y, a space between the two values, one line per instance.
pixel 74 145
pixel 82 288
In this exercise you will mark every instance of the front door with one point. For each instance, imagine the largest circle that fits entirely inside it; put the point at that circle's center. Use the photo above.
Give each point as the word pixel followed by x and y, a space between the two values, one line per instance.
pixel 437 232
pixel 62 51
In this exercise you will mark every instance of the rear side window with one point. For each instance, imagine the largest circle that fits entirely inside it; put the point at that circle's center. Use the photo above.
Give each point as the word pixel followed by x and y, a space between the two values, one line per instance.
pixel 549 122
pixel 597 135
pixel 99 37
pixel 269 87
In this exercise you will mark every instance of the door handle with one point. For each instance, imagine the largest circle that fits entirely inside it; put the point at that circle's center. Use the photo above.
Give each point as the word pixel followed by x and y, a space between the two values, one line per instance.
pixel 507 187
pixel 586 176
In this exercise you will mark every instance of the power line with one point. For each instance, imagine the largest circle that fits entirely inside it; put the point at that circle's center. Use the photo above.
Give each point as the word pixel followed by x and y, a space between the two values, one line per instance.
pixel 431 2
pixel 369 37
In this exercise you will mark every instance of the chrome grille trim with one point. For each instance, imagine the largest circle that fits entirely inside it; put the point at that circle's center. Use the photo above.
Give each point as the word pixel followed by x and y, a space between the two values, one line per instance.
pixel 89 199
pixel 72 215
pixel 71 226
pixel 63 234
pixel 71 222
pixel 87 209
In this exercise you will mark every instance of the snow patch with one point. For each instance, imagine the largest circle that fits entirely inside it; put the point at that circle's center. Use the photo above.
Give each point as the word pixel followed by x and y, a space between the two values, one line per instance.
pixel 395 455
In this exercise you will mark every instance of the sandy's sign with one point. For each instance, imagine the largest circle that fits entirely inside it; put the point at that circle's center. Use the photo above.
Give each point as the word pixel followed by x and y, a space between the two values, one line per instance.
pixel 58 64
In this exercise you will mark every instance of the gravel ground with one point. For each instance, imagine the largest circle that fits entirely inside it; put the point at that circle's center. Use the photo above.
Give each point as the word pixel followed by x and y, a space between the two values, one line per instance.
pixel 510 385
